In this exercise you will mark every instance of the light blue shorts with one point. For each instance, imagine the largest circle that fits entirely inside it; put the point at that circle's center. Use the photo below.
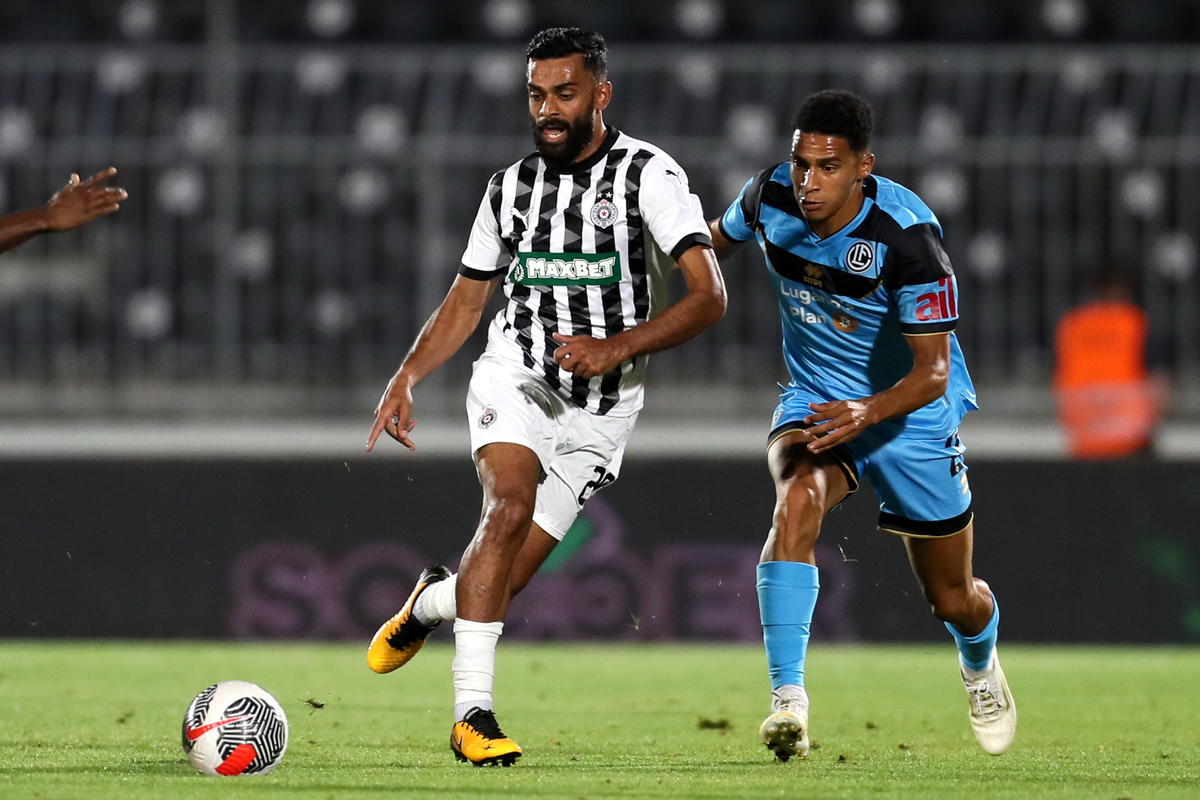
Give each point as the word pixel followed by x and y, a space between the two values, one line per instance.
pixel 921 483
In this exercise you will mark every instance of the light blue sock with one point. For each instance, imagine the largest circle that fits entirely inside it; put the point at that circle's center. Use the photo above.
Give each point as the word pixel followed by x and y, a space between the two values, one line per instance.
pixel 976 650
pixel 787 595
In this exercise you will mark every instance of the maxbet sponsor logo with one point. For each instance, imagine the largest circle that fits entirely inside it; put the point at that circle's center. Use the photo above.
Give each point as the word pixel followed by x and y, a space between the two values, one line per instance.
pixel 566 269
pixel 938 305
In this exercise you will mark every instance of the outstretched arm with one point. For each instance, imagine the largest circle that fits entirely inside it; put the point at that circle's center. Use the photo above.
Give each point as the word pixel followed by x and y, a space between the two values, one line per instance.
pixel 443 333
pixel 71 206
pixel 703 305
pixel 843 420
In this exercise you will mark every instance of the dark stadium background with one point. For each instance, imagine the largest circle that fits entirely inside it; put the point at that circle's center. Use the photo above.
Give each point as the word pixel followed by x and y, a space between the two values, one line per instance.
pixel 186 386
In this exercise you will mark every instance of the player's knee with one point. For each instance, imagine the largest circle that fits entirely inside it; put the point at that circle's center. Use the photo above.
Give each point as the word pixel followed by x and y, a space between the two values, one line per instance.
pixel 949 603
pixel 799 503
pixel 508 515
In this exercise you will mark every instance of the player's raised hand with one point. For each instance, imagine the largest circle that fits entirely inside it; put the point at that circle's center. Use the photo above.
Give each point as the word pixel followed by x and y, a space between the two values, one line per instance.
pixel 393 414
pixel 836 423
pixel 586 356
pixel 78 203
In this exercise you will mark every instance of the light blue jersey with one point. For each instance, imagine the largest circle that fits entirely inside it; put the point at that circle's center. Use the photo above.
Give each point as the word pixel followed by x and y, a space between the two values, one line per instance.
pixel 848 301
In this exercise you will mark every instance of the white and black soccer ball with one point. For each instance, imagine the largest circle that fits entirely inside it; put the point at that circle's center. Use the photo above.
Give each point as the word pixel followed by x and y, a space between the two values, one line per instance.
pixel 235 728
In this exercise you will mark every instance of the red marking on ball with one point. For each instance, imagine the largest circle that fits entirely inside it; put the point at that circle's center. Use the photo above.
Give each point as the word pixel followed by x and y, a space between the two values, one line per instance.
pixel 238 760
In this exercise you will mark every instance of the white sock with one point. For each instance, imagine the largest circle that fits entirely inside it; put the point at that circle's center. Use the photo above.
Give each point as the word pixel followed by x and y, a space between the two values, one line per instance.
pixel 973 674
pixel 437 602
pixel 474 665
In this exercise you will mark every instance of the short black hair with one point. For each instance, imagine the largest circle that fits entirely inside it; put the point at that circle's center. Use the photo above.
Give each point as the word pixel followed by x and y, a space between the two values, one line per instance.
pixel 563 42
pixel 837 113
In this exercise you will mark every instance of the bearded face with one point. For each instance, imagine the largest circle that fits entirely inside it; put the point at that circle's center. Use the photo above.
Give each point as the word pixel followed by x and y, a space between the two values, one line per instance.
pixel 565 104
pixel 560 141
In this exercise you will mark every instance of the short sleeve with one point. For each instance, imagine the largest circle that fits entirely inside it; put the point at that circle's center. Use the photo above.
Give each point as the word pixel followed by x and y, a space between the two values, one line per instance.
pixel 487 255
pixel 671 211
pixel 734 224
pixel 919 272
pixel 929 307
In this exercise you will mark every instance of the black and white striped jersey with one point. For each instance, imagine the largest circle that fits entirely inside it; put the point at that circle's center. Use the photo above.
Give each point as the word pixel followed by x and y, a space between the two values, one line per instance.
pixel 585 249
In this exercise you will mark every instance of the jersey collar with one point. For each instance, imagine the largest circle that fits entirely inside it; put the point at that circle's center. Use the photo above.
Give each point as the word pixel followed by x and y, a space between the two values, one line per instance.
pixel 852 225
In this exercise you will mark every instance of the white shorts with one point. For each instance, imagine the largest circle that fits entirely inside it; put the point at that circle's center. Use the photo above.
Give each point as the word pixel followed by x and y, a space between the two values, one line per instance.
pixel 580 452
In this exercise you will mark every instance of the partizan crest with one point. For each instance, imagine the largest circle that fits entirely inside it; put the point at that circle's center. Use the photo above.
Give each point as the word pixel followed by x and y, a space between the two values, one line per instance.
pixel 604 212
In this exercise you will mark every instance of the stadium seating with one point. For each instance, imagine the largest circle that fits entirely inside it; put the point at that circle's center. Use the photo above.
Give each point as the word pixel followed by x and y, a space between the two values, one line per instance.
pixel 297 210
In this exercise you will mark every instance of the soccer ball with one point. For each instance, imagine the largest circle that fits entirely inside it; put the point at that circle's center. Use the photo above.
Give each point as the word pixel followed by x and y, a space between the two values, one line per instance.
pixel 235 728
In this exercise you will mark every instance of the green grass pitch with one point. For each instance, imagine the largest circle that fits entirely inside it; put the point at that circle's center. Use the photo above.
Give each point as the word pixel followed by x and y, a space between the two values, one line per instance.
pixel 101 720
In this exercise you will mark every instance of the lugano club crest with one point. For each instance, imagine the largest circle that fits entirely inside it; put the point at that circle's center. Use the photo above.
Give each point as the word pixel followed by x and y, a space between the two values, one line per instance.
pixel 860 257
pixel 604 213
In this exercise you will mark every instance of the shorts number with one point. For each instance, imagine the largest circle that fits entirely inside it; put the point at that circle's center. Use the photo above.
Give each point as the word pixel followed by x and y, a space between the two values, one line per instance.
pixel 603 478
pixel 957 466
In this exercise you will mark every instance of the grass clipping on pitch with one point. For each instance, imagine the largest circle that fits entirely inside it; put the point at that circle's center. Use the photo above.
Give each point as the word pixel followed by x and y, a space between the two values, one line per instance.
pixel 102 720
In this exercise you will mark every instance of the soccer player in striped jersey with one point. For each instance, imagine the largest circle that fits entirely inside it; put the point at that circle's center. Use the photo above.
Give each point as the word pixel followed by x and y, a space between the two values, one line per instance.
pixel 582 235
pixel 878 387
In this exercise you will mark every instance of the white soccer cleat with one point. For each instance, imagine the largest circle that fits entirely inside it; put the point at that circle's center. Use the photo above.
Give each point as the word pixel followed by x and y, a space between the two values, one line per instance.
pixel 993 712
pixel 785 732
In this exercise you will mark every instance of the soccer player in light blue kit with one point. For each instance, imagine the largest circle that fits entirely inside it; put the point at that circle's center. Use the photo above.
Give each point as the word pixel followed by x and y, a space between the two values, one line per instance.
pixel 878 387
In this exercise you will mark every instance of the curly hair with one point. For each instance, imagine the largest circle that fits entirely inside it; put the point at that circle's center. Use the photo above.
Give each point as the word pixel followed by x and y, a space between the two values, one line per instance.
pixel 837 113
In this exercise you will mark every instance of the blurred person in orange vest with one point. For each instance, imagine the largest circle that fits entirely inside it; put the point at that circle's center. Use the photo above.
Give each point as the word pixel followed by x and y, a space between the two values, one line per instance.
pixel 1109 400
